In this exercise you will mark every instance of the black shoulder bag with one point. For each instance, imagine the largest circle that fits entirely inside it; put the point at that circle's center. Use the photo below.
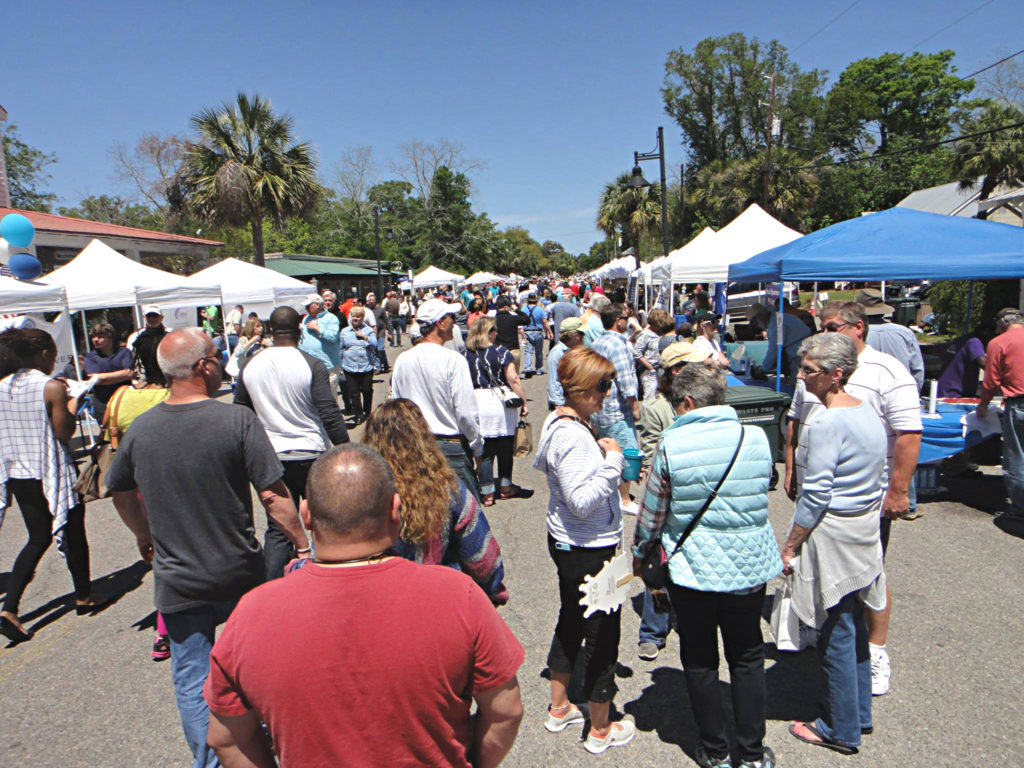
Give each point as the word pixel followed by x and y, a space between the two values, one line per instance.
pixel 655 566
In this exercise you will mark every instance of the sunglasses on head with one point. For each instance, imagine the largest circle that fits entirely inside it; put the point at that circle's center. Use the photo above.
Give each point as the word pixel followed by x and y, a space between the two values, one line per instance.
pixel 605 385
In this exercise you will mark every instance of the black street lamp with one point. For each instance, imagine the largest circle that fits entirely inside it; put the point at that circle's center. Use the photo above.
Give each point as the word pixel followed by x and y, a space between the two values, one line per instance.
pixel 376 237
pixel 637 181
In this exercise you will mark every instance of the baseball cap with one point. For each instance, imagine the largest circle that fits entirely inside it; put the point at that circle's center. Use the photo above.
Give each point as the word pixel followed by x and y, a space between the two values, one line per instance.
pixel 683 352
pixel 432 310
pixel 873 303
pixel 151 309
pixel 312 298
pixel 570 324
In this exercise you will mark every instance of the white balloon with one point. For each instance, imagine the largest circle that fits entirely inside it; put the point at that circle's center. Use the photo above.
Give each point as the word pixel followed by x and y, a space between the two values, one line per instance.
pixel 5 251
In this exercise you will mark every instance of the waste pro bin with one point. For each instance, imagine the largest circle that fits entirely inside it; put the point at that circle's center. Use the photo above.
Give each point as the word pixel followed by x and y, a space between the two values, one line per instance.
pixel 905 310
pixel 764 408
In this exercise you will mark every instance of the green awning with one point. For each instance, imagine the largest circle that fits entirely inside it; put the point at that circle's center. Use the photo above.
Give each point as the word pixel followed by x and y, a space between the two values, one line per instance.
pixel 310 268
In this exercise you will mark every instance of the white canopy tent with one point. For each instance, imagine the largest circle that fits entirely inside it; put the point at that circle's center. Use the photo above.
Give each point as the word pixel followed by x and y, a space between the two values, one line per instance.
pixel 750 233
pixel 616 269
pixel 662 267
pixel 259 289
pixel 480 278
pixel 18 297
pixel 432 276
pixel 99 277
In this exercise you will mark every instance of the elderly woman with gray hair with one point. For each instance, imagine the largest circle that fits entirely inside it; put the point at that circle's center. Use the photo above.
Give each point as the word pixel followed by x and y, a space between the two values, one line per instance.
pixel 836 534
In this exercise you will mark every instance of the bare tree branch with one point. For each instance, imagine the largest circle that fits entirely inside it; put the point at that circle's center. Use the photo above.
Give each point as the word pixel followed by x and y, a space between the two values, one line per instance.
pixel 151 166
pixel 419 160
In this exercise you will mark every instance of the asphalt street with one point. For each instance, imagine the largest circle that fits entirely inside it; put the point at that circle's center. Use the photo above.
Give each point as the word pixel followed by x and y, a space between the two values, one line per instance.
pixel 84 692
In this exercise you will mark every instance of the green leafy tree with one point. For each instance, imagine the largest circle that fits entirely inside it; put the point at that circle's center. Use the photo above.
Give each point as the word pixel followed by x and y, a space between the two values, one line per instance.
pixel 914 97
pixel 523 254
pixel 719 95
pixel 245 168
pixel 26 173
pixel 453 236
pixel 995 159
pixel 115 210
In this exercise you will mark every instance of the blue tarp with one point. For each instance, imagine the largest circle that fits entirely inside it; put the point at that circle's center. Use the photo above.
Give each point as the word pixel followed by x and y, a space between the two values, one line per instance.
pixel 898 244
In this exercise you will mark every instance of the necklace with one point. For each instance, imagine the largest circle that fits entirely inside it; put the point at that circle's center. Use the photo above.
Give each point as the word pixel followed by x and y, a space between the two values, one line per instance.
pixel 376 556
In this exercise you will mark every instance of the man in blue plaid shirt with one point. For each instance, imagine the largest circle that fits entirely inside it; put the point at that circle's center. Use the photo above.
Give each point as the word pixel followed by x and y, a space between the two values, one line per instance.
pixel 621 408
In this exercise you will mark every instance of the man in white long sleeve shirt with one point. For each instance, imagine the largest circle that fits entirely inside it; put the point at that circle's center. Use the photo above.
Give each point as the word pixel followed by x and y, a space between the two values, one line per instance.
pixel 438 381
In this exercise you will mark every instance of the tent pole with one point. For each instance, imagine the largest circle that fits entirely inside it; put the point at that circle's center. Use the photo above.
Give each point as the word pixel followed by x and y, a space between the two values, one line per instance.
pixel 85 330
pixel 78 372
pixel 779 341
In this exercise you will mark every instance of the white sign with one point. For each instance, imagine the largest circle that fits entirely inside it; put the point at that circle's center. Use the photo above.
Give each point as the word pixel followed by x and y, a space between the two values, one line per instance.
pixel 59 329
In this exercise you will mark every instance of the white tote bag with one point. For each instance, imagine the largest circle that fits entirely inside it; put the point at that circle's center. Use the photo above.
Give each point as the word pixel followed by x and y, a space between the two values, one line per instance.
pixel 784 628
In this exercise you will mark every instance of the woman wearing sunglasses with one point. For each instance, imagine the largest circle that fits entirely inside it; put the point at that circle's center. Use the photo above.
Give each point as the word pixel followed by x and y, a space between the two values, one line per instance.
pixel 584 525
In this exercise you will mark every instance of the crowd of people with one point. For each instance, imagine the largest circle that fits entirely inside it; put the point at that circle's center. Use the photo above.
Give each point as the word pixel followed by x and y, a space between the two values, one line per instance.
pixel 351 525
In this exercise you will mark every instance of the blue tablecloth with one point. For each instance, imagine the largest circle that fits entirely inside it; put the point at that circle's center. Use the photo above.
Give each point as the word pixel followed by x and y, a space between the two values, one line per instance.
pixel 943 437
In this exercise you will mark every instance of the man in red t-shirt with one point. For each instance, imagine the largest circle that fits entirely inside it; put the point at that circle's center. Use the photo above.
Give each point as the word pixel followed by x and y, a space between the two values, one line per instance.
pixel 1004 374
pixel 362 658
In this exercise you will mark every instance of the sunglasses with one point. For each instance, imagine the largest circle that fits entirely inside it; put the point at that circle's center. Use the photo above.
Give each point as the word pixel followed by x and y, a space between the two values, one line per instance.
pixel 605 385
pixel 833 328
pixel 808 371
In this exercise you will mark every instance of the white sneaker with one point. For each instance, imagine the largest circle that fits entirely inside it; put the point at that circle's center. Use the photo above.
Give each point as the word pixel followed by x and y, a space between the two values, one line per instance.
pixel 633 508
pixel 554 723
pixel 881 671
pixel 619 735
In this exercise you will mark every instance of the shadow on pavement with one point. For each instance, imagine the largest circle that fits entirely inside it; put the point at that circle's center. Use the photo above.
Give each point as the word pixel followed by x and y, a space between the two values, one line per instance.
pixel 115 584
pixel 1014 526
pixel 792 684
pixel 664 708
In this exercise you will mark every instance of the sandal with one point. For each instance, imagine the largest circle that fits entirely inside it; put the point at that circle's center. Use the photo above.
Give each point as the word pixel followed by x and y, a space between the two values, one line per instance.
pixel 487 499
pixel 820 741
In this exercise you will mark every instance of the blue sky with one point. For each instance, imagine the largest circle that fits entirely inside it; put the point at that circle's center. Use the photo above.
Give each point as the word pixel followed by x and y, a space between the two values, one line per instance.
pixel 553 97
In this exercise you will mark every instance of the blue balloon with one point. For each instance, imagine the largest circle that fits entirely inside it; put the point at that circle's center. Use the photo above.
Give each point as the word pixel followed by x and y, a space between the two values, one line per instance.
pixel 17 230
pixel 25 266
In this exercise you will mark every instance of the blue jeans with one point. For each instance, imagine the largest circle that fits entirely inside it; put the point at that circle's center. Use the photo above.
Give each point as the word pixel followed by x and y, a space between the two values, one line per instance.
pixel 192 633
pixel 533 352
pixel 1012 420
pixel 396 325
pixel 461 461
pixel 846 661
pixel 654 626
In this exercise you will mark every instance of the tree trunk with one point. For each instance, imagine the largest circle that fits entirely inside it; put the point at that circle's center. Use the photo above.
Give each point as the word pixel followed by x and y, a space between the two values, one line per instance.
pixel 257 242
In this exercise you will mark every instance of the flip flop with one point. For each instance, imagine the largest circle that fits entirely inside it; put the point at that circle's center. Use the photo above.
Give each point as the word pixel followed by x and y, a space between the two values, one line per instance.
pixel 822 741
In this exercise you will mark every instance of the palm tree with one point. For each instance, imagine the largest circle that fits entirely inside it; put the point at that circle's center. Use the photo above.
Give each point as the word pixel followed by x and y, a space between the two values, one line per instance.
pixel 628 210
pixel 244 168
pixel 998 158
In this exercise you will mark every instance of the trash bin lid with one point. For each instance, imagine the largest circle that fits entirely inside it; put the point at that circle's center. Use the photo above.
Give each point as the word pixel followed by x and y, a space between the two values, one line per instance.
pixel 745 396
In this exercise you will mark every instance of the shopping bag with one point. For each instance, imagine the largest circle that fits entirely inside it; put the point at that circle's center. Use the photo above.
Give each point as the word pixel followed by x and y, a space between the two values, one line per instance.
pixel 784 627
pixel 523 440
pixel 91 483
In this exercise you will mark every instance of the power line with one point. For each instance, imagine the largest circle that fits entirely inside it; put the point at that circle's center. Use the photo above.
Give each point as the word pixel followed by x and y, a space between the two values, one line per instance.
pixel 827 24
pixel 915 148
pixel 996 64
pixel 951 24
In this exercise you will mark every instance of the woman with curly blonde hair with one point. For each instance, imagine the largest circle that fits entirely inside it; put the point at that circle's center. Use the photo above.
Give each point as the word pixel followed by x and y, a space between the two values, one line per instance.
pixel 442 524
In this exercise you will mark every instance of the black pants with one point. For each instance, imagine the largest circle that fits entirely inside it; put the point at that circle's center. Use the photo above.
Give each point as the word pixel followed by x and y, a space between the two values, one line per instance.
pixel 278 549
pixel 382 352
pixel 598 635
pixel 35 510
pixel 701 614
pixel 360 392
pixel 502 449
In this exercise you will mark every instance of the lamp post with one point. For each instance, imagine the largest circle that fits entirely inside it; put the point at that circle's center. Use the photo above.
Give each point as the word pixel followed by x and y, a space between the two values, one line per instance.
pixel 376 237
pixel 637 181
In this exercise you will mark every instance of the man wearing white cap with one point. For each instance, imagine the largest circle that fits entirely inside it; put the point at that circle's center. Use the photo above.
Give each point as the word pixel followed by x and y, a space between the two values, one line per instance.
pixel 438 381
pixel 321 332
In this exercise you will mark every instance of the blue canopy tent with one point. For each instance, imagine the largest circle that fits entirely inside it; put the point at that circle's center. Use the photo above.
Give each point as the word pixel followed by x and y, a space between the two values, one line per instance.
pixel 898 244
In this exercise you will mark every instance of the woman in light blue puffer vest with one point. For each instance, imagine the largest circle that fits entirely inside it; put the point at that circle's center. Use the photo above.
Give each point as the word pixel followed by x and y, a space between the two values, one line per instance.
pixel 718 575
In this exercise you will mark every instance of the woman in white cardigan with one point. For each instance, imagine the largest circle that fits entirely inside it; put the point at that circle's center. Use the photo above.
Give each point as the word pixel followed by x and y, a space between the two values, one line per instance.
pixel 584 529
pixel 835 529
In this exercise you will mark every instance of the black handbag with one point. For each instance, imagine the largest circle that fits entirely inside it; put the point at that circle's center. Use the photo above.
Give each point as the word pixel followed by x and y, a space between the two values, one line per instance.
pixel 654 570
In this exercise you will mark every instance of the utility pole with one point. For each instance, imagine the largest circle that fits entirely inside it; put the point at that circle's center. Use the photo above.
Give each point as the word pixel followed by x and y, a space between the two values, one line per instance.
pixel 5 194
pixel 768 143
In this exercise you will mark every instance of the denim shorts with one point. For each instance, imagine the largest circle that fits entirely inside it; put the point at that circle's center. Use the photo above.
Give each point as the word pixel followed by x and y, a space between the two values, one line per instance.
pixel 623 431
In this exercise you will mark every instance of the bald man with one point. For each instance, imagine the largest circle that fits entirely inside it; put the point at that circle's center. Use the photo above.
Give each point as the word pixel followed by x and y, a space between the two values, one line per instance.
pixel 193 459
pixel 381 655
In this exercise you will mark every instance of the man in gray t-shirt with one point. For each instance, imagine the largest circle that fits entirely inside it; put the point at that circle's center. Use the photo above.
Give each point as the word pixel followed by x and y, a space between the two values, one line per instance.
pixel 192 460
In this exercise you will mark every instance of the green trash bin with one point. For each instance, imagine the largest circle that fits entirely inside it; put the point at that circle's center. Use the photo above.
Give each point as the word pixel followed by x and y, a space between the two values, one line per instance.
pixel 904 310
pixel 764 408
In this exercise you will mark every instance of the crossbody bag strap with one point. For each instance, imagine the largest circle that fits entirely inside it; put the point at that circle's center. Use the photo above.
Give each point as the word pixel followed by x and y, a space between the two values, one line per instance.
pixel 110 417
pixel 711 498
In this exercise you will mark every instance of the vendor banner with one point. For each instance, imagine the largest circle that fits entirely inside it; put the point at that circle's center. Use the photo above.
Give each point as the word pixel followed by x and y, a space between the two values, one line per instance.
pixel 59 329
